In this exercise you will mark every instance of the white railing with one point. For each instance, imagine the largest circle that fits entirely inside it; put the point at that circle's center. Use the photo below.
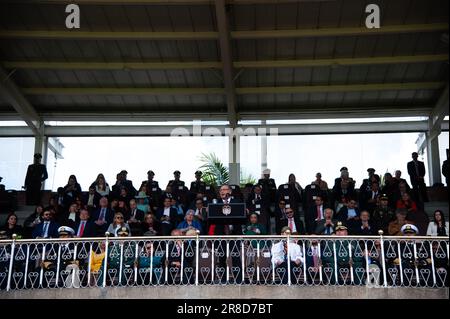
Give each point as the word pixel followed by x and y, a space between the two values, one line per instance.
pixel 376 261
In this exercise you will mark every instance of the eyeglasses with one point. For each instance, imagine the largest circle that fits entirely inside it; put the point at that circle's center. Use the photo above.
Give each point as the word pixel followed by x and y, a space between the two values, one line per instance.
pixel 119 217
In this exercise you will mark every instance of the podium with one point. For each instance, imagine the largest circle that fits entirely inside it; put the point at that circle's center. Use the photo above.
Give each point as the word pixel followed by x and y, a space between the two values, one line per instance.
pixel 233 213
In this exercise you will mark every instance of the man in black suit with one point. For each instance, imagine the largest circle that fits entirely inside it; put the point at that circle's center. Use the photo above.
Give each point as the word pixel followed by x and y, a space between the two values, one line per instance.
pixel 314 215
pixel 220 229
pixel 175 183
pixel 293 222
pixel 135 218
pixel 153 190
pixel 84 228
pixel 102 217
pixel 36 174
pixel 47 228
pixel 416 171
pixel 327 225
pixel 168 217
pixel 365 186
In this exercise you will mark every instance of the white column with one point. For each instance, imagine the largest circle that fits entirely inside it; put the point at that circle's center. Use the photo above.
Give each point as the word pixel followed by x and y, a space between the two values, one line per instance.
pixel 234 164
pixel 434 162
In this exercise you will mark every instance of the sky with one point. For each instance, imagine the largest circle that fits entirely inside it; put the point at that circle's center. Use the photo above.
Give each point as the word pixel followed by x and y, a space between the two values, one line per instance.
pixel 302 155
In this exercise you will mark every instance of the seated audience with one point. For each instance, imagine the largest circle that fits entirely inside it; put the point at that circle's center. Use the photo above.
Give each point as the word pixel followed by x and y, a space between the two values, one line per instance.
pixel 438 227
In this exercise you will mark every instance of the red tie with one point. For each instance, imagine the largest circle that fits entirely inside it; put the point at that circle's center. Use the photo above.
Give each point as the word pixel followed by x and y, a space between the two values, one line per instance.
pixel 319 216
pixel 291 224
pixel 82 229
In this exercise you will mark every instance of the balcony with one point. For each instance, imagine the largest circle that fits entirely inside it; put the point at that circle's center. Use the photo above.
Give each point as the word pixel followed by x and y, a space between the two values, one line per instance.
pixel 226 267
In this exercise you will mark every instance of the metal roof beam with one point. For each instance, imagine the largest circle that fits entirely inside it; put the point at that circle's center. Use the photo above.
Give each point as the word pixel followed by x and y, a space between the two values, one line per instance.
pixel 225 54
pixel 156 2
pixel 230 89
pixel 212 35
pixel 208 130
pixel 128 66
pixel 12 94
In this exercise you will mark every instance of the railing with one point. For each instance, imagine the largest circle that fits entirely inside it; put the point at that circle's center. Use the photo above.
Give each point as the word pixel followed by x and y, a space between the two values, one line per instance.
pixel 374 261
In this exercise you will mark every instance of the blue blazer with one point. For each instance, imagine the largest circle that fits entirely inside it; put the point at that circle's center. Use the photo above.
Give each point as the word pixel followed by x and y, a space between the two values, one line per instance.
pixel 195 224
pixel 52 230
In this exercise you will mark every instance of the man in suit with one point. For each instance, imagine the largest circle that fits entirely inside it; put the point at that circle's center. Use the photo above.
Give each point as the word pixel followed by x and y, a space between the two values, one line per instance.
pixel 445 170
pixel 294 223
pixel 363 226
pixel 47 229
pixel 365 186
pixel 416 171
pixel 348 214
pixel 36 174
pixel 220 229
pixel 102 217
pixel 84 228
pixel 280 215
pixel 135 218
pixel 326 226
pixel 258 203
pixel 370 198
pixel 314 215
pixel 168 217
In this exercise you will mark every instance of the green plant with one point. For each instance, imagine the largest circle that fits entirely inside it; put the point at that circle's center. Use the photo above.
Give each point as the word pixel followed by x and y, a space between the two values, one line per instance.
pixel 216 173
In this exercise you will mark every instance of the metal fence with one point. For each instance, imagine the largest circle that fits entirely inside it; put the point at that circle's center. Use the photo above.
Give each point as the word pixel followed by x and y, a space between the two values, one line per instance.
pixel 374 261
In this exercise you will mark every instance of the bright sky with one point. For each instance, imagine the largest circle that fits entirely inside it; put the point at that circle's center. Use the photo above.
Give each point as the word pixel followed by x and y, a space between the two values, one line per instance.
pixel 302 155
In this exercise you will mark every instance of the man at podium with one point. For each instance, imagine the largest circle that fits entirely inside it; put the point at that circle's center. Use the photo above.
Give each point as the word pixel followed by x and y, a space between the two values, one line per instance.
pixel 217 229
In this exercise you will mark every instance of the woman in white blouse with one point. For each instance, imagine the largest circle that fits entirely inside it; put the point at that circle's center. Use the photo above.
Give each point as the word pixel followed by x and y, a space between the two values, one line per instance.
pixel 438 227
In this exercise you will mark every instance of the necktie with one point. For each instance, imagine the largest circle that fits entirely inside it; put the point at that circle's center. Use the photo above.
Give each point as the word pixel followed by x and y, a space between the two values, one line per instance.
pixel 134 213
pixel 102 214
pixel 416 164
pixel 45 230
pixel 319 215
pixel 81 230
pixel 315 258
pixel 291 224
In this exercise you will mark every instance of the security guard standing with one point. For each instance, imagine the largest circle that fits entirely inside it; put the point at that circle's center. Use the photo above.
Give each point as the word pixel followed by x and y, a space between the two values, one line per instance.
pixel 36 174
pixel 198 186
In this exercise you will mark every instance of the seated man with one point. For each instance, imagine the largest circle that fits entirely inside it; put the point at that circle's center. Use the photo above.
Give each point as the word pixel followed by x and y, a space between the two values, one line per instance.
pixel 280 253
pixel 349 214
pixel 149 265
pixel 116 249
pixel 326 226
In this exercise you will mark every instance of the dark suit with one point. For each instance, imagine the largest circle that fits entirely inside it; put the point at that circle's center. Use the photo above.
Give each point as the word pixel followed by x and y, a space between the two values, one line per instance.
pixel 357 229
pixel 52 231
pixel 109 216
pixel 298 224
pixel 342 215
pixel 417 181
pixel 171 223
pixel 322 230
pixel 89 229
pixel 198 187
pixel 36 174
pixel 310 218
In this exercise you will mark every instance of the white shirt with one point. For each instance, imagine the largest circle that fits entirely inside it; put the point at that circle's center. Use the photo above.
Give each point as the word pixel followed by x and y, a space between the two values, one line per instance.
pixel 432 229
pixel 278 253
pixel 167 211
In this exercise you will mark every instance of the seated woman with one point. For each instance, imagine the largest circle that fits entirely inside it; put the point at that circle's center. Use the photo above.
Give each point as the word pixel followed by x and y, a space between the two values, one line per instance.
pixel 190 223
pixel 32 220
pixel 101 186
pixel 117 224
pixel 253 227
pixel 97 257
pixel 72 189
pixel 151 226
pixel 438 227
pixel 11 226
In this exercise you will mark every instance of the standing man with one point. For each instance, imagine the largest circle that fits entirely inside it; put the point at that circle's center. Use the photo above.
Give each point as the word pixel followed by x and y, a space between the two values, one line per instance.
pixel 416 171
pixel 445 168
pixel 36 174
pixel 269 188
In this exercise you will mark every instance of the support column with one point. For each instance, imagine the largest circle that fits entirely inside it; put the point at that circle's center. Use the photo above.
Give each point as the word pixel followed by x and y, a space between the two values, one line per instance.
pixel 263 149
pixel 234 164
pixel 434 162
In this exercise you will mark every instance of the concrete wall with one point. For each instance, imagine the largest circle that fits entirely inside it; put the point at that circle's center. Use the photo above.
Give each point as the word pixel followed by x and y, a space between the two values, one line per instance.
pixel 231 292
